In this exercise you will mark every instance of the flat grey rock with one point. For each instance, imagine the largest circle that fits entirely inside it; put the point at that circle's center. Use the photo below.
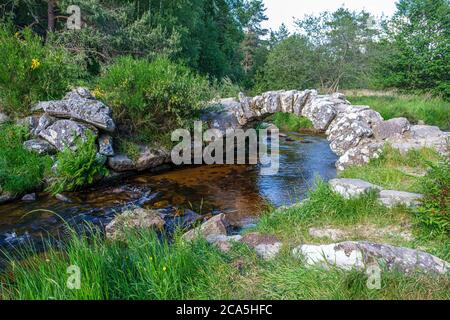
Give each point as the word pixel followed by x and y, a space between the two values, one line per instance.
pixel 80 105
pixel 38 146
pixel 391 198
pixel 358 255
pixel 349 188
pixel 65 133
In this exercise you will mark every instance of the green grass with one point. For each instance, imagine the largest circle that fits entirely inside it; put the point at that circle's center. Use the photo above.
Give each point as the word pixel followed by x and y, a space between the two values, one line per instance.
pixel 291 122
pixel 20 170
pixel 146 267
pixel 395 171
pixel 431 110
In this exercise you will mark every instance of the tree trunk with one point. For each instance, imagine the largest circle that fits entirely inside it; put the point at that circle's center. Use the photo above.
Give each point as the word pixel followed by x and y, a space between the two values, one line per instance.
pixel 51 15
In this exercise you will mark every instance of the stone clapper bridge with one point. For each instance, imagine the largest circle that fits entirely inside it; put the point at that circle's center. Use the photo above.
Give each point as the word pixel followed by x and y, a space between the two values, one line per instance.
pixel 356 134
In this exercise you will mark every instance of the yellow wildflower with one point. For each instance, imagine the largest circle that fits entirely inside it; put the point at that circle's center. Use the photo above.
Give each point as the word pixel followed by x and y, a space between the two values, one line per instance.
pixel 35 63
pixel 164 269
pixel 98 93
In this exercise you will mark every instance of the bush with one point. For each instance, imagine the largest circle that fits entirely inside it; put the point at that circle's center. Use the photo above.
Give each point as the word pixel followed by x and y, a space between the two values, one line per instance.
pixel 434 213
pixel 20 170
pixel 78 168
pixel 30 71
pixel 149 99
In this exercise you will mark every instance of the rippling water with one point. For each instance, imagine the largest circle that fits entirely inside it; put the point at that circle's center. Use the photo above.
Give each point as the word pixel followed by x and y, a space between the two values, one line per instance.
pixel 238 190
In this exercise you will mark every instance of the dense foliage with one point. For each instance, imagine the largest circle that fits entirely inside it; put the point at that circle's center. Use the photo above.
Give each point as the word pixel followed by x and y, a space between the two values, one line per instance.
pixel 434 213
pixel 75 169
pixel 20 170
pixel 416 50
pixel 150 98
pixel 31 71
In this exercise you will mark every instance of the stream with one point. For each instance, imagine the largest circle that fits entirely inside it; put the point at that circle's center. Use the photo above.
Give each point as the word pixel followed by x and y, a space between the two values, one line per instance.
pixel 237 190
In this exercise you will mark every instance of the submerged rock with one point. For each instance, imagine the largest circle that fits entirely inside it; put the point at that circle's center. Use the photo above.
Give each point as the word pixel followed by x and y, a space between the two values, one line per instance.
pixel 138 218
pixel 65 133
pixel 361 254
pixel 29 197
pixel 80 105
pixel 391 198
pixel 349 188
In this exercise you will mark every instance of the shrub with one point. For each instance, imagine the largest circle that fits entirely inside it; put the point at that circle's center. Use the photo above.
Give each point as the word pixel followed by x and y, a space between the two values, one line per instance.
pixel 30 71
pixel 149 99
pixel 434 213
pixel 78 168
pixel 20 170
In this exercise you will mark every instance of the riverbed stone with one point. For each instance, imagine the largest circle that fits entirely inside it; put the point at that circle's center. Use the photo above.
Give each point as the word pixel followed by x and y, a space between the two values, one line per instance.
pixel 215 226
pixel 265 246
pixel 65 133
pixel 222 242
pixel 63 198
pixel 80 105
pixel 359 255
pixel 391 128
pixel 6 196
pixel 350 188
pixel 39 146
pixel 391 198
pixel 148 158
pixel 29 197
pixel 137 218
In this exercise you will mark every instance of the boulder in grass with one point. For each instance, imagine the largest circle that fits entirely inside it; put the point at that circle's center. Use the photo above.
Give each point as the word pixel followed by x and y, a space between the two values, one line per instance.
pixel 216 226
pixel 358 255
pixel 65 133
pixel 349 188
pixel 80 105
pixel 391 198
pixel 266 246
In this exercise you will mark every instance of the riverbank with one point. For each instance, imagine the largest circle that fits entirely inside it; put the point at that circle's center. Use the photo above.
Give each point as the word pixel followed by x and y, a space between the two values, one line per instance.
pixel 146 267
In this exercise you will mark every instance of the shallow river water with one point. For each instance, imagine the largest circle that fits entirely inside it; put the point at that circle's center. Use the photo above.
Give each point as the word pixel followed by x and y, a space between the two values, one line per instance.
pixel 238 190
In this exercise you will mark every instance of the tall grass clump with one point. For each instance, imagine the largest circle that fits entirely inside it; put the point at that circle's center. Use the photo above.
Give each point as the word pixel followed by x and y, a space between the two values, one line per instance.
pixel 78 168
pixel 432 110
pixel 151 98
pixel 323 206
pixel 20 169
pixel 434 212
pixel 143 267
pixel 31 71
